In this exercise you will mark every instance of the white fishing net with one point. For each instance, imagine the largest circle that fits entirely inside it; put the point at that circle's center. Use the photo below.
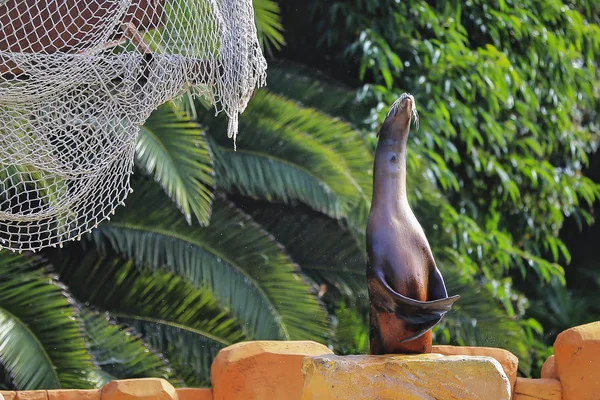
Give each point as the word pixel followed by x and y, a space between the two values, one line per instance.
pixel 79 77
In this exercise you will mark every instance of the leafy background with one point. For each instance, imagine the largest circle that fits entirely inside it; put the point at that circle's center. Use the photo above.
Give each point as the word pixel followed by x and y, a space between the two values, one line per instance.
pixel 215 246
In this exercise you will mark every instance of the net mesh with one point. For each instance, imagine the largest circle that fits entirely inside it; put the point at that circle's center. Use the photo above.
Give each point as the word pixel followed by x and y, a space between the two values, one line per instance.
pixel 78 78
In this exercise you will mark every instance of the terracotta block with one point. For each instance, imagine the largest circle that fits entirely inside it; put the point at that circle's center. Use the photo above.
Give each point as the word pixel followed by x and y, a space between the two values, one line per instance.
pixel 262 370
pixel 549 369
pixel 577 361
pixel 32 395
pixel 139 389
pixel 508 361
pixel 537 389
pixel 8 395
pixel 74 394
pixel 194 394
pixel 417 377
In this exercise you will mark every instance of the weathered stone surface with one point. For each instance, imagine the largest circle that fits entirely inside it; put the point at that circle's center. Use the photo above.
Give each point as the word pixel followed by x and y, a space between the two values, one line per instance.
pixel 537 389
pixel 74 394
pixel 4 395
pixel 549 369
pixel 32 395
pixel 577 361
pixel 194 394
pixel 508 361
pixel 139 389
pixel 419 377
pixel 262 370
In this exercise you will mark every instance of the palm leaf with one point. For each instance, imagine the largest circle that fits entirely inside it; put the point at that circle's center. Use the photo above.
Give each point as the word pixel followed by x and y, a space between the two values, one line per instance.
pixel 324 249
pixel 152 301
pixel 41 342
pixel 194 353
pixel 268 24
pixel 263 176
pixel 282 144
pixel 118 352
pixel 238 261
pixel 173 149
pixel 312 88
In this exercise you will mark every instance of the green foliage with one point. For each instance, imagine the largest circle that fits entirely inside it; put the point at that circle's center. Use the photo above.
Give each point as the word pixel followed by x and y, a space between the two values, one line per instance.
pixel 172 148
pixel 352 332
pixel 118 351
pixel 151 303
pixel 42 346
pixel 268 25
pixel 238 261
pixel 312 163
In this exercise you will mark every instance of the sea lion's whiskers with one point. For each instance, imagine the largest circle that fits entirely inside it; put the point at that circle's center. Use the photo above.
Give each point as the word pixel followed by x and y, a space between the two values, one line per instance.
pixel 398 106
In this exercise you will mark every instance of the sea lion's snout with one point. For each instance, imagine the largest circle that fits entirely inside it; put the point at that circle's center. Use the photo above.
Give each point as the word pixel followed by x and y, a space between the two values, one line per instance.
pixel 400 114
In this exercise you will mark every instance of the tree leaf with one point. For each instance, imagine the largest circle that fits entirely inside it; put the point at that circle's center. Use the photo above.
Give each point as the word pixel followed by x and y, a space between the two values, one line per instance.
pixel 173 149
pixel 246 269
pixel 119 352
pixel 41 342
pixel 154 298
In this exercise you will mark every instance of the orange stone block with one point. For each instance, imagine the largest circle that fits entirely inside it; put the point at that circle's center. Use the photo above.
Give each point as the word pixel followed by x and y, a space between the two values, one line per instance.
pixel 194 394
pixel 508 361
pixel 74 394
pixel 139 389
pixel 549 369
pixel 537 389
pixel 269 370
pixel 32 395
pixel 8 395
pixel 577 361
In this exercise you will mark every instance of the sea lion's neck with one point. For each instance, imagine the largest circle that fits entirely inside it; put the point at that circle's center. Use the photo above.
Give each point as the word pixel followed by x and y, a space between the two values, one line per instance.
pixel 389 172
pixel 389 180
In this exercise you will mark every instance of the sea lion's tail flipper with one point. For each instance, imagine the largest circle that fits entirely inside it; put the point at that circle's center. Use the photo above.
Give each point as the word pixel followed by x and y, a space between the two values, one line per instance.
pixel 428 315
pixel 415 312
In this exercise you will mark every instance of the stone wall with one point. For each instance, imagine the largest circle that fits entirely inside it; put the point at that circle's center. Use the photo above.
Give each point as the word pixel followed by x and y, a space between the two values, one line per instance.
pixel 310 371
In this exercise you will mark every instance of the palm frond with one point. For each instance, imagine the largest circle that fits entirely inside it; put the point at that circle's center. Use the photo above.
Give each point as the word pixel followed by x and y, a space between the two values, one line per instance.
pixel 559 309
pixel 194 353
pixel 268 24
pixel 153 300
pixel 240 263
pixel 173 149
pixel 312 88
pixel 264 176
pixel 119 352
pixel 323 248
pixel 275 131
pixel 41 341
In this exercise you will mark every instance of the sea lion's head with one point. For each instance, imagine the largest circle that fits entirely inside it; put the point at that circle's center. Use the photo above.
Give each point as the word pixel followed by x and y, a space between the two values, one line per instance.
pixel 397 122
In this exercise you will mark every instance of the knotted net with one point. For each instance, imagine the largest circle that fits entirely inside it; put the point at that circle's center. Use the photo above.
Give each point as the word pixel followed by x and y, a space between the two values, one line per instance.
pixel 79 77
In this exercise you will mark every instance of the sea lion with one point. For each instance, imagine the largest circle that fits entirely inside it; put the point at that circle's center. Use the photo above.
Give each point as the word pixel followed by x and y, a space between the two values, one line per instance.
pixel 407 294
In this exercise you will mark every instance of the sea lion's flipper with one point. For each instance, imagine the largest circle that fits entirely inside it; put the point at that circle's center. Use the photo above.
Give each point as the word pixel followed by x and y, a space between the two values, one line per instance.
pixel 437 288
pixel 415 312
pixel 422 329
